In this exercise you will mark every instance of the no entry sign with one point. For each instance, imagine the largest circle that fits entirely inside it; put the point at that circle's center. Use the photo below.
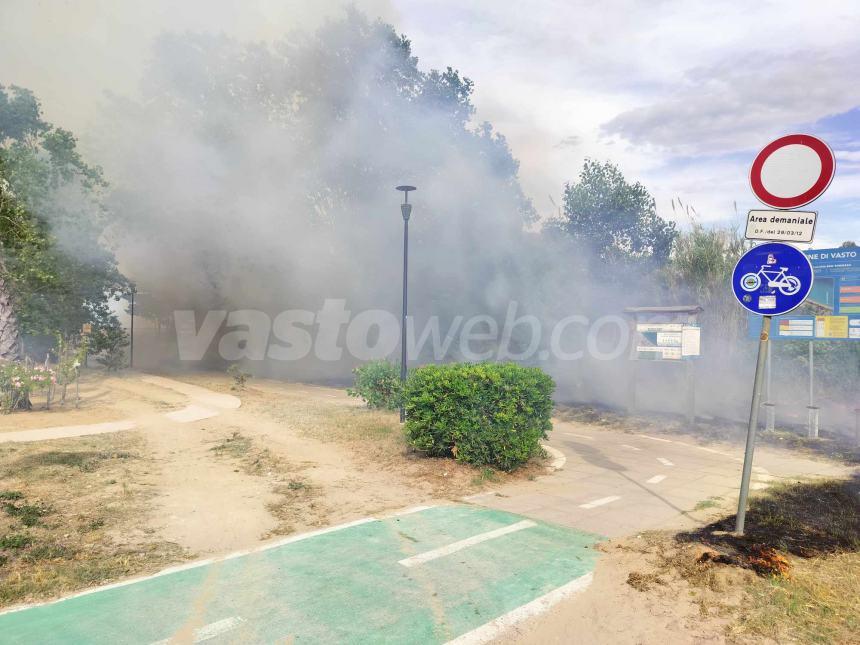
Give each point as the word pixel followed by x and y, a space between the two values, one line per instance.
pixel 792 171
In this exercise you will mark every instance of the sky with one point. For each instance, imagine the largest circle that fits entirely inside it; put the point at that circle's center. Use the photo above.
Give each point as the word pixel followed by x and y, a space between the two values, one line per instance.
pixel 679 94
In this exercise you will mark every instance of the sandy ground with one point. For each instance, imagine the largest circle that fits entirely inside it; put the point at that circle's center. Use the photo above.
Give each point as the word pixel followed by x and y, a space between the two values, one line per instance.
pixel 612 611
pixel 308 456
pixel 295 457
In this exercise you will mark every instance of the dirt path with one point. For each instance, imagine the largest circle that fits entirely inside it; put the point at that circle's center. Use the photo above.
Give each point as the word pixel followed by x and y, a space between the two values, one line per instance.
pixel 203 504
pixel 226 475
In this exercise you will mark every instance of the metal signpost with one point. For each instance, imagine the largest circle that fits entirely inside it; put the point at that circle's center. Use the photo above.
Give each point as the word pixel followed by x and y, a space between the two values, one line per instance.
pixel 775 278
pixel 769 279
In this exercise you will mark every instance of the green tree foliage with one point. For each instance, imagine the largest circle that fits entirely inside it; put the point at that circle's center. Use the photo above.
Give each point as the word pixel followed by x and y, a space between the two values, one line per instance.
pixel 55 265
pixel 615 219
pixel 699 272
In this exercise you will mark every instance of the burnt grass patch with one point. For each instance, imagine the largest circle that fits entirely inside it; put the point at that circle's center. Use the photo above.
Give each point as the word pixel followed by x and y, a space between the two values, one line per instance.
pixel 804 519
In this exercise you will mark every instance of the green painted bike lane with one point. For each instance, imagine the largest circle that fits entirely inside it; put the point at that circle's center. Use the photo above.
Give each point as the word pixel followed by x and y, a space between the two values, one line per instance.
pixel 348 585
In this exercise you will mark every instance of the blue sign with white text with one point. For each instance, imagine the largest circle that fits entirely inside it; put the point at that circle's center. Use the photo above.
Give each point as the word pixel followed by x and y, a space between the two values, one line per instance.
pixel 832 309
pixel 772 279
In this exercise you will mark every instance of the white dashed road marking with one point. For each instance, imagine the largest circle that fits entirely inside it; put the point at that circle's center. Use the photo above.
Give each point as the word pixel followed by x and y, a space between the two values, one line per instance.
pixel 495 628
pixel 578 436
pixel 601 501
pixel 648 436
pixel 210 631
pixel 656 479
pixel 427 556
pixel 624 445
pixel 469 498
pixel 665 461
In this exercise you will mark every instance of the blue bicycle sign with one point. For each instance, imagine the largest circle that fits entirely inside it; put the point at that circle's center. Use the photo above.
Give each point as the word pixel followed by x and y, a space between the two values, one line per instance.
pixel 786 284
pixel 772 279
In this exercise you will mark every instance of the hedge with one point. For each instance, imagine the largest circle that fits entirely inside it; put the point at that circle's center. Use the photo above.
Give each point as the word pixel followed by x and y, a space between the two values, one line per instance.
pixel 487 414
pixel 378 384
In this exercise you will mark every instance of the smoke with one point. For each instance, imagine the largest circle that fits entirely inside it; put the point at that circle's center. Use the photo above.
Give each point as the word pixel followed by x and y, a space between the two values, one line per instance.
pixel 253 168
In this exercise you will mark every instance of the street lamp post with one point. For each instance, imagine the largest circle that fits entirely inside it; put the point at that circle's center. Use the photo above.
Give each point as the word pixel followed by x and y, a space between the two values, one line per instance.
pixel 406 211
pixel 131 335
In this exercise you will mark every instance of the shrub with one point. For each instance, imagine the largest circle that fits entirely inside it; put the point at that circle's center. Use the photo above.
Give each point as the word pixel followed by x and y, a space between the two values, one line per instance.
pixel 240 378
pixel 486 414
pixel 108 344
pixel 378 383
pixel 18 380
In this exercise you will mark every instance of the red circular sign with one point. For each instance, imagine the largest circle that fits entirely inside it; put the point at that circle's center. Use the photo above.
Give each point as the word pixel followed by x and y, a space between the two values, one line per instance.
pixel 804 192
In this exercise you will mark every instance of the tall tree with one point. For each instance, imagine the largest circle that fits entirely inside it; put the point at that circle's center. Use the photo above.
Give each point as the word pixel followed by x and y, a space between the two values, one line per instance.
pixel 55 269
pixel 615 219
pixel 252 160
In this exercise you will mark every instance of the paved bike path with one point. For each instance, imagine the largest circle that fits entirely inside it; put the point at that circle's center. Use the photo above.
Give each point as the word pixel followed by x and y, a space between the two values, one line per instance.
pixel 424 577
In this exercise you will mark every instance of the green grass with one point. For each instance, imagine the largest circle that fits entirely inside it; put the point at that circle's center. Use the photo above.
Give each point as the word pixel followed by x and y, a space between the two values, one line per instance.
pixel 711 502
pixel 27 514
pixel 40 465
pixel 15 541
pixel 236 445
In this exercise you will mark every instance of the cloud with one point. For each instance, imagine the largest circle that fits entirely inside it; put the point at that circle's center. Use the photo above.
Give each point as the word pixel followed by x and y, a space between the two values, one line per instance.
pixel 741 102
pixel 570 141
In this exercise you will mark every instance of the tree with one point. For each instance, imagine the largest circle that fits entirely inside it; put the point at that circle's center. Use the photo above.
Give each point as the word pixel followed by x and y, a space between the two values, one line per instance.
pixel 251 161
pixel 848 244
pixel 56 271
pixel 615 219
pixel 13 226
pixel 699 272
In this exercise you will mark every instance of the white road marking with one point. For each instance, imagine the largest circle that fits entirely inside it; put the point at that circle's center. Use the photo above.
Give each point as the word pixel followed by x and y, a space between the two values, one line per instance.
pixel 495 628
pixel 713 450
pixel 409 511
pixel 469 498
pixel 427 556
pixel 600 502
pixel 629 447
pixel 665 461
pixel 210 631
pixel 579 436
pixel 648 436
pixel 656 479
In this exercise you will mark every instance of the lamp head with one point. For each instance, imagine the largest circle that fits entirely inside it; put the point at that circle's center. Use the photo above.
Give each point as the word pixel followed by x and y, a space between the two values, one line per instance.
pixel 406 207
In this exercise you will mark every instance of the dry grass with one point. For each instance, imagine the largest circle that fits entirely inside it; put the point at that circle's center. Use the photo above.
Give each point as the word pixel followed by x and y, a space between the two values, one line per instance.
pixel 375 439
pixel 299 502
pixel 711 430
pixel 794 576
pixel 70 516
pixel 818 603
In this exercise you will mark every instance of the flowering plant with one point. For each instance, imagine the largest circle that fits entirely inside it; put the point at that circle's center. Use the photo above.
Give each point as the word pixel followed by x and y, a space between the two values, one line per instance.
pixel 18 380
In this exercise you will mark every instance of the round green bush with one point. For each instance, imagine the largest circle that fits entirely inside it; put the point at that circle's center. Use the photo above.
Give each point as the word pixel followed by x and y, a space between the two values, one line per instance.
pixel 486 414
pixel 378 384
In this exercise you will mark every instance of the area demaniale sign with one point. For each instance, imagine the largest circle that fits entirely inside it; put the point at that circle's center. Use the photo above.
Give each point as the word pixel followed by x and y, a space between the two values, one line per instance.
pixel 832 309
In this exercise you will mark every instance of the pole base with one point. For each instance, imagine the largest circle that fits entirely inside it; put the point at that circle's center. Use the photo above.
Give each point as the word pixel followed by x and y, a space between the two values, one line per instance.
pixel 770 416
pixel 812 425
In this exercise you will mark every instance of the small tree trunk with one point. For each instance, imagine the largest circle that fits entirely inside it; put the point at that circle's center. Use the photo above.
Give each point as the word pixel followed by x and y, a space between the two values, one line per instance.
pixel 10 338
